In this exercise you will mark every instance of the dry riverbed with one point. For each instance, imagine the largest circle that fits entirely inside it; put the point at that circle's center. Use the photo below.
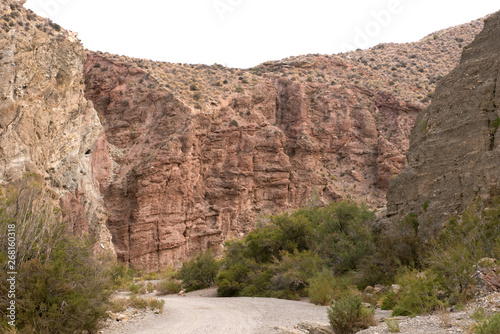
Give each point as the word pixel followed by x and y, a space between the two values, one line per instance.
pixel 200 312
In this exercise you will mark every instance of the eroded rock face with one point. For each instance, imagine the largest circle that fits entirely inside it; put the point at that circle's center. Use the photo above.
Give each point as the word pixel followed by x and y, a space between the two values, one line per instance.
pixel 454 152
pixel 193 168
pixel 47 127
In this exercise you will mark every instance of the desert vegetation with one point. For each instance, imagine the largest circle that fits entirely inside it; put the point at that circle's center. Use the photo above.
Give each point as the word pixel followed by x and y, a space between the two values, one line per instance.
pixel 329 254
pixel 332 254
pixel 60 286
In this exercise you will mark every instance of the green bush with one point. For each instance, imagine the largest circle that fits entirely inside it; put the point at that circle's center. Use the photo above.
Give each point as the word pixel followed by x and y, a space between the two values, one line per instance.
pixel 156 305
pixel 200 272
pixel 293 271
pixel 324 287
pixel 60 286
pixel 464 241
pixel 389 301
pixel 168 286
pixel 281 256
pixel 348 315
pixel 137 302
pixel 343 237
pixel 119 304
pixel 134 288
pixel 141 303
pixel 121 276
pixel 400 245
pixel 489 326
pixel 418 293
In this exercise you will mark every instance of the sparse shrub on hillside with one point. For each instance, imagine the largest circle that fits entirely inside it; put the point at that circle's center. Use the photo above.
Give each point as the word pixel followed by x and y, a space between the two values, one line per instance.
pixel 197 96
pixel 348 315
pixel 200 272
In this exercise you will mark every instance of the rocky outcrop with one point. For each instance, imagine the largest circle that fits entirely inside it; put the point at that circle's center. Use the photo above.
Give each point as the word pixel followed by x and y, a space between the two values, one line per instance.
pixel 199 155
pixel 47 127
pixel 454 151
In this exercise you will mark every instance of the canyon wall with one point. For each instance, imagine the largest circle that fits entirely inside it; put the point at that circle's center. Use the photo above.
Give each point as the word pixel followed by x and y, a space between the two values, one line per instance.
pixel 159 161
pixel 454 155
pixel 200 153
pixel 47 127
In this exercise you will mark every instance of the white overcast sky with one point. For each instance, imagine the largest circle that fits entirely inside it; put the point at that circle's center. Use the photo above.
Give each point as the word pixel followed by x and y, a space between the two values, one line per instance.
pixel 245 33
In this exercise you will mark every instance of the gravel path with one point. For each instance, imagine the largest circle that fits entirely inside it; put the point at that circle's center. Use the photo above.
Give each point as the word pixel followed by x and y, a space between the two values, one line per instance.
pixel 201 312
pixel 208 315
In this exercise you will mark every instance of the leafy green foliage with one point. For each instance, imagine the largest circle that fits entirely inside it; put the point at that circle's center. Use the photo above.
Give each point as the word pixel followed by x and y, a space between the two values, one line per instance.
pixel 348 315
pixel 454 254
pixel 389 301
pixel 324 287
pixel 489 326
pixel 168 286
pixel 60 286
pixel 419 293
pixel 200 272
pixel 343 237
pixel 280 257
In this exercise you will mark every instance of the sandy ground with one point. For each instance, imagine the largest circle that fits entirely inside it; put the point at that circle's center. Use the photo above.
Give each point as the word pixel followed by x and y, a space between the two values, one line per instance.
pixel 202 314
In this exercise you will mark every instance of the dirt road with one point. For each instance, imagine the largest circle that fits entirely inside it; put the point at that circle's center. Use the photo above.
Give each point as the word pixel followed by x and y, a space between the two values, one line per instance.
pixel 209 315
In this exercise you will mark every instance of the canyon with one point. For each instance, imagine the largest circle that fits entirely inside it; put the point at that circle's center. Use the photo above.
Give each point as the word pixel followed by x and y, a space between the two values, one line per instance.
pixel 159 161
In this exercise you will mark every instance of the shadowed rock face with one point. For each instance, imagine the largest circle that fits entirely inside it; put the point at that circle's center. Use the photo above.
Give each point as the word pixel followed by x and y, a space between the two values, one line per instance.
pixel 47 127
pixel 190 170
pixel 455 147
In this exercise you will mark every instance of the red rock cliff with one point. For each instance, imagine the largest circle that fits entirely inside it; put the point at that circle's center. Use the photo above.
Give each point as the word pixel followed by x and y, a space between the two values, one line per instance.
pixel 199 152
